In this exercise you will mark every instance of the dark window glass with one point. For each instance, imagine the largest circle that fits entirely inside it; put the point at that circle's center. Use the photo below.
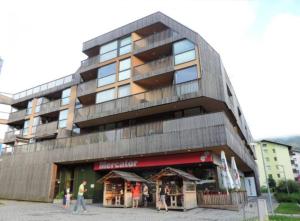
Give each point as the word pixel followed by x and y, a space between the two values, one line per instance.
pixel 187 74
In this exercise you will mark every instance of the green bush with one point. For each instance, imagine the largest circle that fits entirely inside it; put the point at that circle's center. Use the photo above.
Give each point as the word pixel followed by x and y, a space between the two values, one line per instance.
pixel 263 189
pixel 288 198
pixel 294 187
pixel 60 195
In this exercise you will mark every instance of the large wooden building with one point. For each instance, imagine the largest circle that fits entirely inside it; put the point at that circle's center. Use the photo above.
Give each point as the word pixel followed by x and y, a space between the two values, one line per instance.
pixel 151 94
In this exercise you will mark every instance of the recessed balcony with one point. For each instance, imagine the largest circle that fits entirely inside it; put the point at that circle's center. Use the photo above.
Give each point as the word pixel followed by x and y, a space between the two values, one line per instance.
pixel 17 116
pixel 46 130
pixel 139 103
pixel 160 69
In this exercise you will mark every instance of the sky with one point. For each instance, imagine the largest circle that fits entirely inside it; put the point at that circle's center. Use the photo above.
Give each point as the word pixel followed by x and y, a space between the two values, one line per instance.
pixel 258 40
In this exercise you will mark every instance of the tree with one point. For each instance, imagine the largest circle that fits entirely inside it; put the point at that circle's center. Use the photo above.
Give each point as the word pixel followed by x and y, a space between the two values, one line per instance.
pixel 272 183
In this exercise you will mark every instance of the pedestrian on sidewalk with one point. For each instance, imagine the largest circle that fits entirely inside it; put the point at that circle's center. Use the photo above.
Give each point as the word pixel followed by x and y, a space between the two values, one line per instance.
pixel 68 198
pixel 162 190
pixel 145 194
pixel 80 197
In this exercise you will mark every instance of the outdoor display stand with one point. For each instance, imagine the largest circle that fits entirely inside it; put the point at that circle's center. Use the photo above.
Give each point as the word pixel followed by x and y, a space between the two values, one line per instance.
pixel 117 188
pixel 182 188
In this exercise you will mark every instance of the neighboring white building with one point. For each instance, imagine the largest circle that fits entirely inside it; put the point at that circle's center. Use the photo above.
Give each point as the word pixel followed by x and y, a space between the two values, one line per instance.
pixel 295 160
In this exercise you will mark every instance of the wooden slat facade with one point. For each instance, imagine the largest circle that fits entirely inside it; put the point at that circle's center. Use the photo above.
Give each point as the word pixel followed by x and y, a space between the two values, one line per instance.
pixel 29 172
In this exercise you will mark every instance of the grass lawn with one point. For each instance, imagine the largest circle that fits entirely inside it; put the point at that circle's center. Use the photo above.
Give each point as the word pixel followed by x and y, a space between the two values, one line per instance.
pixel 283 218
pixel 288 208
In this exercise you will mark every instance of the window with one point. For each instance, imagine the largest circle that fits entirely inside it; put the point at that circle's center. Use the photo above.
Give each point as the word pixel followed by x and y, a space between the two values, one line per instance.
pixel 26 127
pixel 187 74
pixel 29 108
pixel 267 159
pixel 228 91
pixel 107 74
pixel 275 158
pixel 265 150
pixel 184 51
pixel 38 105
pixel 239 111
pixel 124 69
pixel 264 145
pixel 278 175
pixel 108 51
pixel 268 168
pixel 273 150
pixel 125 45
pixel 65 97
pixel 124 90
pixel 105 95
pixel 36 122
pixel 63 115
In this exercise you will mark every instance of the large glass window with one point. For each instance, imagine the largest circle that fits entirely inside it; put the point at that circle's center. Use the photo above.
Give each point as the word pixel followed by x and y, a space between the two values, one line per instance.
pixel 36 122
pixel 105 95
pixel 63 115
pixel 125 45
pixel 184 51
pixel 38 105
pixel 124 90
pixel 29 108
pixel 107 74
pixel 65 97
pixel 26 127
pixel 124 69
pixel 187 74
pixel 108 51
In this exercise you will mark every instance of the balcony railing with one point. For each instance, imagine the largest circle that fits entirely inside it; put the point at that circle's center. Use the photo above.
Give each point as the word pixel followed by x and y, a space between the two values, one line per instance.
pixel 196 132
pixel 16 116
pixel 90 61
pixel 50 107
pixel 155 97
pixel 10 136
pixel 155 40
pixel 44 130
pixel 153 68
pixel 85 88
pixel 61 82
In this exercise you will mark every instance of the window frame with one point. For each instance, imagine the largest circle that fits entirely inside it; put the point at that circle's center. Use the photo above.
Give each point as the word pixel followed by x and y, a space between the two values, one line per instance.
pixel 64 119
pixel 110 89
pixel 112 74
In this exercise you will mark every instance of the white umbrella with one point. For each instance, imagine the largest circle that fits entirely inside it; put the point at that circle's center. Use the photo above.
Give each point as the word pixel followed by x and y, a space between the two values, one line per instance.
pixel 226 176
pixel 235 174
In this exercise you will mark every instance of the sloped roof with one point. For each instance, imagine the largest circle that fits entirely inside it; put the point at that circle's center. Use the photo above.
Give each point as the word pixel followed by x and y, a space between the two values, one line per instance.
pixel 275 142
pixel 124 175
pixel 177 172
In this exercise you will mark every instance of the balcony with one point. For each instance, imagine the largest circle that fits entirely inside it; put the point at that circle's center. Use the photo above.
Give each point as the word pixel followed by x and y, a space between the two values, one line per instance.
pixel 157 40
pixel 86 88
pixel 17 116
pixel 138 102
pixel 153 68
pixel 212 131
pixel 89 63
pixel 10 136
pixel 47 88
pixel 49 107
pixel 46 130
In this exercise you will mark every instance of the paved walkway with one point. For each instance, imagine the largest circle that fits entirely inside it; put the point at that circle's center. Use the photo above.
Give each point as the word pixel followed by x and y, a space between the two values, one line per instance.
pixel 28 211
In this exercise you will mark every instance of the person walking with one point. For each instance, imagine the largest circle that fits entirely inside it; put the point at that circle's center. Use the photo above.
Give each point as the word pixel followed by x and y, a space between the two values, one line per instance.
pixel 68 198
pixel 64 198
pixel 80 197
pixel 145 194
pixel 136 195
pixel 162 197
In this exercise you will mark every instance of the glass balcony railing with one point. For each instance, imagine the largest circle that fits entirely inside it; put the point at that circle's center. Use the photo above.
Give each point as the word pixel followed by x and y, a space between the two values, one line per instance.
pixel 44 87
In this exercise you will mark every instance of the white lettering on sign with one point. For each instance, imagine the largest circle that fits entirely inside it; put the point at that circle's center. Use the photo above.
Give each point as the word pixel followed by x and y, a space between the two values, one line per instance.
pixel 117 164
